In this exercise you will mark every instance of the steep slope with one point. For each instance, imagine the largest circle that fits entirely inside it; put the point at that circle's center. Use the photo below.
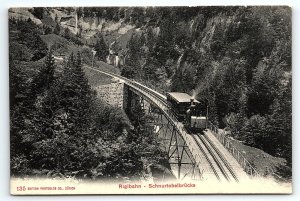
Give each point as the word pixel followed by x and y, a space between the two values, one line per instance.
pixel 23 13
pixel 59 44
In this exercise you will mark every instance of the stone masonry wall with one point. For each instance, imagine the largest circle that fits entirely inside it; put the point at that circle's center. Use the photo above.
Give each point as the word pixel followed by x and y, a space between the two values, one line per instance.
pixel 113 93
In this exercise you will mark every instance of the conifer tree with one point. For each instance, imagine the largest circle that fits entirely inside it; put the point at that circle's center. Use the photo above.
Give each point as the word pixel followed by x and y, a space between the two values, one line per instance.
pixel 45 77
pixel 56 18
pixel 102 49
pixel 48 70
pixel 67 34
pixel 56 29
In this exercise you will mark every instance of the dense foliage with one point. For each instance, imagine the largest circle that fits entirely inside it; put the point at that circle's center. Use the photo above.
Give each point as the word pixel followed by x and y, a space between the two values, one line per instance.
pixel 238 60
pixel 101 49
pixel 59 128
pixel 25 43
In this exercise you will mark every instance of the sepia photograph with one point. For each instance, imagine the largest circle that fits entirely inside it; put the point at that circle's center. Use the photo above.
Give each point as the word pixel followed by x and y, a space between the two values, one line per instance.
pixel 150 100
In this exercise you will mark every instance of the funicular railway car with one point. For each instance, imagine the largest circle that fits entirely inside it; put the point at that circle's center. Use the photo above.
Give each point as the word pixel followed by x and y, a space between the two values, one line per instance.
pixel 188 110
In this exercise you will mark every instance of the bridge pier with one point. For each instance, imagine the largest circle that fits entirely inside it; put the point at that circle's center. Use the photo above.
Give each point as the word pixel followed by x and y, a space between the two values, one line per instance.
pixel 181 160
pixel 190 155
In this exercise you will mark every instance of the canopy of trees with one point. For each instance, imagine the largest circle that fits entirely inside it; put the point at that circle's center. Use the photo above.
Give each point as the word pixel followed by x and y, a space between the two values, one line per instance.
pixel 60 129
pixel 238 60
pixel 25 43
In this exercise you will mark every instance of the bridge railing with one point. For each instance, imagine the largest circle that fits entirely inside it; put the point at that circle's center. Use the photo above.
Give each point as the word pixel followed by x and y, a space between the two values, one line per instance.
pixel 161 102
pixel 248 168
pixel 245 164
pixel 152 86
pixel 240 158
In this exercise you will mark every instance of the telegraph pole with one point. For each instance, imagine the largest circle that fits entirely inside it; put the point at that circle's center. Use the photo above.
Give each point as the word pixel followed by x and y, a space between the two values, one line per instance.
pixel 206 115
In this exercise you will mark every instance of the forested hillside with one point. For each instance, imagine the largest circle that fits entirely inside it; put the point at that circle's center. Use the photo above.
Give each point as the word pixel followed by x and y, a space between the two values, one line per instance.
pixel 235 59
pixel 58 126
pixel 238 60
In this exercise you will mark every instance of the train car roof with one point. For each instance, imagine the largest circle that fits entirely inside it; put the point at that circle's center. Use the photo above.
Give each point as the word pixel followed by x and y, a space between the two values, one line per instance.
pixel 181 97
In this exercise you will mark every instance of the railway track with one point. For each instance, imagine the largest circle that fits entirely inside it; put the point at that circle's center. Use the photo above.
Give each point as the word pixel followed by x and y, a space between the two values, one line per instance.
pixel 229 170
pixel 206 155
pixel 219 167
pixel 218 163
pixel 136 84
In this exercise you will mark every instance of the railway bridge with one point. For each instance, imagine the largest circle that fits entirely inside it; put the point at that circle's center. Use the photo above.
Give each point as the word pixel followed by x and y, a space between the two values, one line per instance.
pixel 208 156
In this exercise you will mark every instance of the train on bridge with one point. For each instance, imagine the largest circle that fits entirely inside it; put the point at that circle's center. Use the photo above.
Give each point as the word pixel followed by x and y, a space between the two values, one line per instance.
pixel 188 110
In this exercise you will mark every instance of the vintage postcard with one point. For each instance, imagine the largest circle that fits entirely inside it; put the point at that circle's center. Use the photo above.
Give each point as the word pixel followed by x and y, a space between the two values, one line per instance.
pixel 150 100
